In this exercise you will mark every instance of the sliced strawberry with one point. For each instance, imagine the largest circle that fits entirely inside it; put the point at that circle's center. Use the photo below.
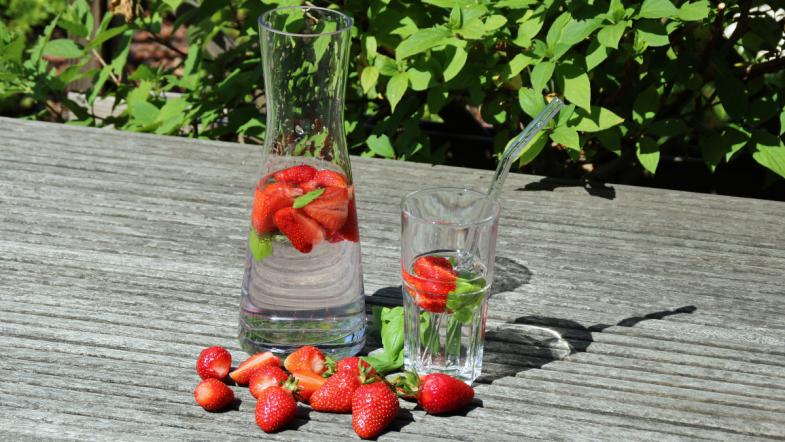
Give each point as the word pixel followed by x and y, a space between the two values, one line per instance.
pixel 326 178
pixel 434 267
pixel 433 279
pixel 264 377
pixel 295 174
pixel 302 231
pixel 309 186
pixel 214 362
pixel 213 394
pixel 307 383
pixel 307 358
pixel 350 231
pixel 242 374
pixel 268 200
pixel 330 209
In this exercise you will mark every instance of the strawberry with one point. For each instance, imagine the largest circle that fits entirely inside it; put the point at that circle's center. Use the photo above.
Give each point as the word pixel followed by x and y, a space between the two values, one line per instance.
pixel 242 374
pixel 307 383
pixel 335 395
pixel 440 393
pixel 295 175
pixel 303 232
pixel 330 209
pixel 307 358
pixel 264 377
pixel 267 201
pixel 433 279
pixel 275 408
pixel 326 178
pixel 353 365
pixel 213 394
pixel 309 186
pixel 374 407
pixel 434 267
pixel 350 231
pixel 213 362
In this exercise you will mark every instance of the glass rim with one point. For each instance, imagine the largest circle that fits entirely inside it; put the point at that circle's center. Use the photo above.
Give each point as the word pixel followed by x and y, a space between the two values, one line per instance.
pixel 482 195
pixel 264 23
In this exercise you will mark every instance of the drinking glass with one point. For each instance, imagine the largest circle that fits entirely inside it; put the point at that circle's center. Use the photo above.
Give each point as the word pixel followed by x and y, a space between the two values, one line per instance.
pixel 448 242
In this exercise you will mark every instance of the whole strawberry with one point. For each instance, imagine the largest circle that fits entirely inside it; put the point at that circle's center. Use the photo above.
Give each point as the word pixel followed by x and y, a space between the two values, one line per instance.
pixel 275 408
pixel 354 364
pixel 265 377
pixel 374 407
pixel 213 362
pixel 213 395
pixel 440 393
pixel 335 395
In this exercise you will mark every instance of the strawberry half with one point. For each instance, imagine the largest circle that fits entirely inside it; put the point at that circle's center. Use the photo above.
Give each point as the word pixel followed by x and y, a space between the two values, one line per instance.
pixel 295 175
pixel 331 208
pixel 332 178
pixel 303 232
pixel 307 358
pixel 213 362
pixel 242 374
pixel 335 395
pixel 275 408
pixel 213 395
pixel 268 200
pixel 264 377
pixel 307 383
pixel 434 267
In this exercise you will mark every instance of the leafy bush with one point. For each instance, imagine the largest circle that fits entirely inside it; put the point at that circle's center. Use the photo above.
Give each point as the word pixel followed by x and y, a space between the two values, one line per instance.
pixel 643 79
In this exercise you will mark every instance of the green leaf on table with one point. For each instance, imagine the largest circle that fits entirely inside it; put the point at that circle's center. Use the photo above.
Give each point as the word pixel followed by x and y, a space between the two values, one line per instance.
pixel 598 119
pixel 368 78
pixel 396 87
pixel 531 150
pixel 381 145
pixel 303 200
pixel 62 47
pixel 596 54
pixel 566 136
pixel 769 151
pixel 652 33
pixel 694 11
pixel 421 41
pixel 261 246
pixel 577 88
pixel 391 356
pixel 532 102
pixel 541 74
pixel 657 9
pixel 609 36
pixel 648 153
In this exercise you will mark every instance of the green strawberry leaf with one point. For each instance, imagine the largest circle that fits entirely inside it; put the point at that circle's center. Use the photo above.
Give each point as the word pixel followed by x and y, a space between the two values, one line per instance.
pixel 261 246
pixel 304 200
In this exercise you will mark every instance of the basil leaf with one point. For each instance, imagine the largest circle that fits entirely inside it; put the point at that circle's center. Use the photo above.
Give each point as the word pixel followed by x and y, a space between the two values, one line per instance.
pixel 261 246
pixel 304 200
pixel 392 330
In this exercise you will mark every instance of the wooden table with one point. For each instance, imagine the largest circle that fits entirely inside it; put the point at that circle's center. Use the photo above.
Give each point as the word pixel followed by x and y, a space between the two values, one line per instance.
pixel 121 257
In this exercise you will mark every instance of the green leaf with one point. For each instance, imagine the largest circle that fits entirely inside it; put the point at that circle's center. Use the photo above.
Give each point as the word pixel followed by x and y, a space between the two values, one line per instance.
pixel 557 28
pixel 653 33
pixel 421 41
pixel 577 88
pixel 609 36
pixel 386 65
pixel 694 11
pixel 106 35
pixel 396 87
pixel 455 20
pixel 457 61
pixel 392 330
pixel 782 122
pixel 62 47
pixel 419 80
pixel 566 136
pixel 530 152
pixel 610 139
pixel 368 78
pixel 527 31
pixel 769 151
pixel 74 28
pixel 495 22
pixel 143 112
pixel 657 9
pixel 173 3
pixel 304 200
pixel 648 153
pixel 668 127
pixel 261 246
pixel 598 119
pixel 732 94
pixel 541 74
pixel 531 101
pixel 381 145
pixel 596 54
pixel 370 47
pixel 645 105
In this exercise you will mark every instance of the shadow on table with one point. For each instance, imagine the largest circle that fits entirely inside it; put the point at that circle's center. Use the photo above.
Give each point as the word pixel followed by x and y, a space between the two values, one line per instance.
pixel 592 187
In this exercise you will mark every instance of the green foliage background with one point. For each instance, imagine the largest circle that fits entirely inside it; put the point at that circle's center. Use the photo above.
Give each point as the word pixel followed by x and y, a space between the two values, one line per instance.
pixel 642 78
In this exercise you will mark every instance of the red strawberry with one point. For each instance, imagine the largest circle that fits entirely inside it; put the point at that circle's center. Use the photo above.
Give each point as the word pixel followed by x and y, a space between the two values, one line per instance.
pixel 213 394
pixel 264 377
pixel 295 174
pixel 242 374
pixel 374 407
pixel 306 358
pixel 307 383
pixel 330 209
pixel 213 362
pixel 440 393
pixel 330 178
pixel 350 231
pixel 433 279
pixel 335 395
pixel 267 201
pixel 275 408
pixel 309 186
pixel 353 365
pixel 303 232
pixel 434 267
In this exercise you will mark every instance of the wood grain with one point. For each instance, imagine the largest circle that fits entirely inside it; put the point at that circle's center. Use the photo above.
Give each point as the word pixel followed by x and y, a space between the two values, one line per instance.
pixel 619 313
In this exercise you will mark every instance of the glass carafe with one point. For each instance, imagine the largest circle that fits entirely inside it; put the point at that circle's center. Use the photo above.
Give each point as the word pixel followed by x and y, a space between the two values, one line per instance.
pixel 303 280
